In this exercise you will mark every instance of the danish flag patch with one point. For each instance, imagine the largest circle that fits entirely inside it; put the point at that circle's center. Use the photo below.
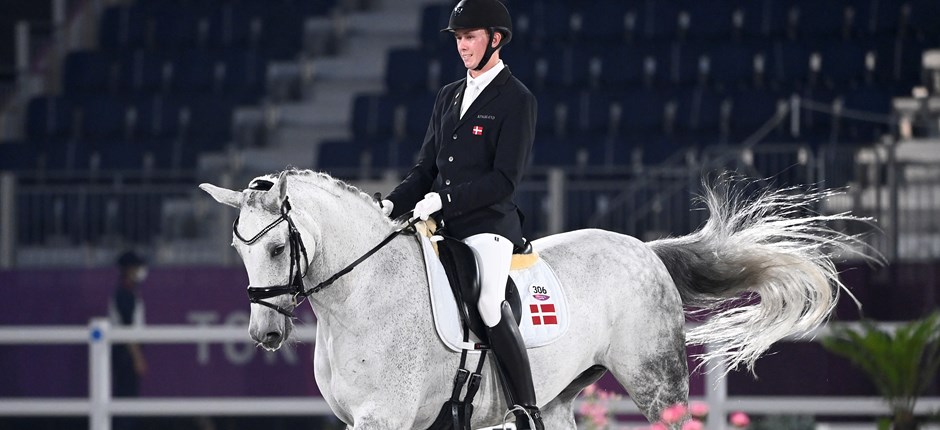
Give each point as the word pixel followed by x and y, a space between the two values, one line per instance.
pixel 543 314
pixel 477 130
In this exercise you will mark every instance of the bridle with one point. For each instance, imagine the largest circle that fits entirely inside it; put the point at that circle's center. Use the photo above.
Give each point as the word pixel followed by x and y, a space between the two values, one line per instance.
pixel 295 285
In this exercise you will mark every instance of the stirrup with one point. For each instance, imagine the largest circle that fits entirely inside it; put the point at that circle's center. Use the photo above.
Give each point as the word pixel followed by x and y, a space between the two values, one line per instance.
pixel 532 415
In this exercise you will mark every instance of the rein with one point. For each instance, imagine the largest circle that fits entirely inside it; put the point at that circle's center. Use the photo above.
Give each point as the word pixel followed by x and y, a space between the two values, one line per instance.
pixel 295 287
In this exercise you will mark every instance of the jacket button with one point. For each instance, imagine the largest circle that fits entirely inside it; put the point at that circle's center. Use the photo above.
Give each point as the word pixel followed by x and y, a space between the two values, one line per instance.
pixel 451 159
pixel 454 136
pixel 447 182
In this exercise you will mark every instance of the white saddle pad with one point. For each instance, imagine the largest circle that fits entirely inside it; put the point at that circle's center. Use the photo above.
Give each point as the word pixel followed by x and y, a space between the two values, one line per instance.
pixel 544 308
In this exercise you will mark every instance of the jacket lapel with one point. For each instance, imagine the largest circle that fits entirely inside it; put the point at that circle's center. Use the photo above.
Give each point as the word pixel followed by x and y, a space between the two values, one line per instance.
pixel 453 112
pixel 489 93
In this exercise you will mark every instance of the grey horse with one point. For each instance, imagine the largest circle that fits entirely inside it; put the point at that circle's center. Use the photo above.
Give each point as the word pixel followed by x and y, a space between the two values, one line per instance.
pixel 380 364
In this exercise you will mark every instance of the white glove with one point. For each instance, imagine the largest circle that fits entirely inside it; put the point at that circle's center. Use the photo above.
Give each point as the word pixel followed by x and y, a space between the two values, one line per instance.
pixel 387 207
pixel 426 207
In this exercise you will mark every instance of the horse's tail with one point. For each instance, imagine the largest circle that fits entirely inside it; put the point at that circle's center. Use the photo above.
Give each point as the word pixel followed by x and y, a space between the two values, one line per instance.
pixel 771 245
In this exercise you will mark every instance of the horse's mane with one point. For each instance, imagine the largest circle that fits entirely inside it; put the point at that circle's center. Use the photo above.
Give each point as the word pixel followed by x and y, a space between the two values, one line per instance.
pixel 321 180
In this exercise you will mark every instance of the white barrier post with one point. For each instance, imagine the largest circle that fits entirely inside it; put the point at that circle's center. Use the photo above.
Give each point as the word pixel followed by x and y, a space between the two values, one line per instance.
pixel 99 381
pixel 716 394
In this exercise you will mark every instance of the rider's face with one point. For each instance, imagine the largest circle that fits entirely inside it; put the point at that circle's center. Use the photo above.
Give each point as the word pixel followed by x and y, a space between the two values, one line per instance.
pixel 471 44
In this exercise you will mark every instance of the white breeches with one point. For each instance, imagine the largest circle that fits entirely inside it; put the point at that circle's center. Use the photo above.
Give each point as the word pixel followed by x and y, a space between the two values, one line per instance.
pixel 494 258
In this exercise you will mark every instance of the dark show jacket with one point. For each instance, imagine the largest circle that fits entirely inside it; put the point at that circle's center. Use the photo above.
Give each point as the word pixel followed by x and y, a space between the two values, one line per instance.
pixel 474 162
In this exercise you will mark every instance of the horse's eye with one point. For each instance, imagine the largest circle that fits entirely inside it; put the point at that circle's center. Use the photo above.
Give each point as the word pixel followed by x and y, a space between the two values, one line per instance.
pixel 278 250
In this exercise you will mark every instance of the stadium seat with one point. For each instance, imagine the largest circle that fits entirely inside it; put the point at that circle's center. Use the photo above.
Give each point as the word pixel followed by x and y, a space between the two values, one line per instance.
pixel 49 118
pixel 122 28
pixel 407 71
pixel 707 20
pixel 88 73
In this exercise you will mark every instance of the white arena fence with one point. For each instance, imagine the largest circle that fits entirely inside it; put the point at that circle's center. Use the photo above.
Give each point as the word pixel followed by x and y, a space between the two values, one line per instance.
pixel 100 406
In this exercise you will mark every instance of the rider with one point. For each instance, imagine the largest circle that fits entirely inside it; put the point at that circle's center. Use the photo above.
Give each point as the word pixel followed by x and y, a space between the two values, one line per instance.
pixel 472 159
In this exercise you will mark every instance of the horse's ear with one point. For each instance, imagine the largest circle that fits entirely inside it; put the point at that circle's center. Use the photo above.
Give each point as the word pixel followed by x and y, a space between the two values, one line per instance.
pixel 223 195
pixel 281 188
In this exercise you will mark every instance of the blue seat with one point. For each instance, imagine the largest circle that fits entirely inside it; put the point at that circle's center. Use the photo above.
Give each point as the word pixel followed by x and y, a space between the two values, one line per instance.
pixel 707 20
pixel 789 64
pixel 589 113
pixel 642 112
pixel 143 73
pixel 844 65
pixel 283 32
pixel 49 118
pixel 699 111
pixel 236 26
pixel 418 115
pixel 119 154
pixel 551 151
pixel 88 73
pixel 877 18
pixel 551 22
pixel 763 18
pixel 924 20
pixel 406 71
pixel 731 66
pixel 621 67
pixel 341 158
pixel 606 23
pixel 821 20
pixel 122 28
pixel 749 111
pixel 571 68
pixel 873 101
pixel 195 73
pixel 689 67
pixel 373 116
pixel 245 75
pixel 157 117
pixel 661 21
pixel 210 122
pixel 17 156
pixel 434 17
pixel 174 28
pixel 103 118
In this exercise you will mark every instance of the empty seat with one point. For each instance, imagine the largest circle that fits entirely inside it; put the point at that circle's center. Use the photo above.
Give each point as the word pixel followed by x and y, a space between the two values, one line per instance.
pixel 88 73
pixel 642 112
pixel 143 73
pixel 660 21
pixel 711 20
pixel 122 28
pixel 609 24
pixel 731 66
pixel 49 118
pixel 817 20
pixel 103 119
pixel 434 17
pixel 844 65
pixel 749 111
pixel 374 116
pixel 622 67
pixel 342 158
pixel 762 18
pixel 406 71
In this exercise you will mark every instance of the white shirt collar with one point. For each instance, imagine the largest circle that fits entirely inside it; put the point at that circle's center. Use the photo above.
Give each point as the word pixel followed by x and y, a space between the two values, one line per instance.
pixel 480 82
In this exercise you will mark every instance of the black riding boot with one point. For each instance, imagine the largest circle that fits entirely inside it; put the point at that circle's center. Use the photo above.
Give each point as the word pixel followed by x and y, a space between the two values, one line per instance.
pixel 507 345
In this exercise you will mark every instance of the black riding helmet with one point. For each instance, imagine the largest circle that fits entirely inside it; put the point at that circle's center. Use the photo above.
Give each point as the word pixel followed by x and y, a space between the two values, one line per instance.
pixel 490 15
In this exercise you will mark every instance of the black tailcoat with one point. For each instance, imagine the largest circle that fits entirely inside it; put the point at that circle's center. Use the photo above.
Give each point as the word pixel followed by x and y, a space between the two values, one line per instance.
pixel 475 162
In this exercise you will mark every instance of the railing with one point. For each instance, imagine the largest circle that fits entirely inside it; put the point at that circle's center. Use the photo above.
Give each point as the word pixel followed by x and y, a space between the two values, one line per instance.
pixel 101 406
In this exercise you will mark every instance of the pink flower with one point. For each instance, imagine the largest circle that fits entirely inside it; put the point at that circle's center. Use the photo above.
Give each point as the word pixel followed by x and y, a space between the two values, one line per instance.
pixel 740 420
pixel 589 390
pixel 698 409
pixel 693 425
pixel 673 414
pixel 659 426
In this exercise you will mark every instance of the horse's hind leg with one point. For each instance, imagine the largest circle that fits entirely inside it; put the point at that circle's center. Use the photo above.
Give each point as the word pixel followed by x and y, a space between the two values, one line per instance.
pixel 652 367
pixel 559 413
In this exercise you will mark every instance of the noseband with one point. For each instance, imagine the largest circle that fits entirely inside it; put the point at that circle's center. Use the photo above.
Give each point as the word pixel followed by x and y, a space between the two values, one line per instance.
pixel 295 286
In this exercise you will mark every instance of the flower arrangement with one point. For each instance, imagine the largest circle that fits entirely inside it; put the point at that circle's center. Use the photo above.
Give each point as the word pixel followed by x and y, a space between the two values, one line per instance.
pixel 593 412
pixel 693 417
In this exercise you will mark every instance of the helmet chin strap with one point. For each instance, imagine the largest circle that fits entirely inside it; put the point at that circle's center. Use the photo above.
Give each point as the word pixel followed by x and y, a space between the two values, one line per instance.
pixel 489 50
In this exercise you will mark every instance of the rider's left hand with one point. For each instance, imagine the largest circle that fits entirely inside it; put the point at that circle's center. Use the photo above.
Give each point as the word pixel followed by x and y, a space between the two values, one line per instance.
pixel 430 204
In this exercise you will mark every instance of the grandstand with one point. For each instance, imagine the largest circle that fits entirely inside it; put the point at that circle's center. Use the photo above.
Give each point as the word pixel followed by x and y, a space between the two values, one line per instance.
pixel 112 111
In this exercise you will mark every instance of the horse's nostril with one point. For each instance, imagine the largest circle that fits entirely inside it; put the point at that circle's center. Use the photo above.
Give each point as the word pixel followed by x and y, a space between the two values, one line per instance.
pixel 272 336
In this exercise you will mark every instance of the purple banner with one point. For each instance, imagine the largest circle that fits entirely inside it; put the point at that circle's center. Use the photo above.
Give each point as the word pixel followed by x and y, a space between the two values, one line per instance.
pixel 208 296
